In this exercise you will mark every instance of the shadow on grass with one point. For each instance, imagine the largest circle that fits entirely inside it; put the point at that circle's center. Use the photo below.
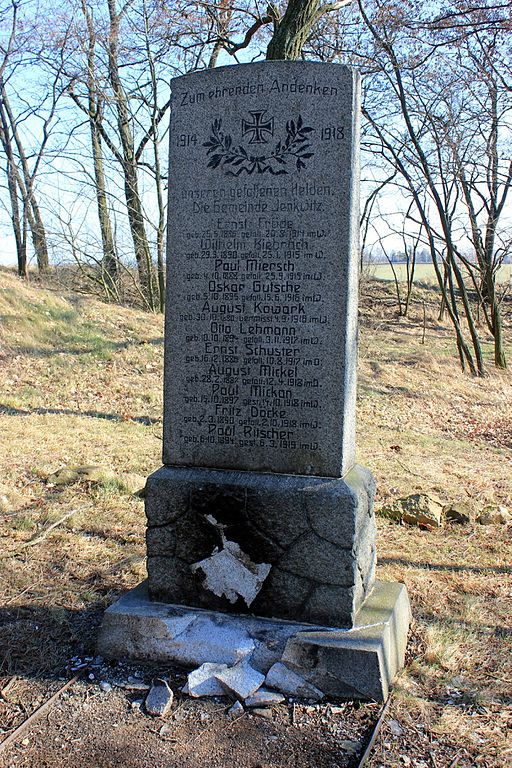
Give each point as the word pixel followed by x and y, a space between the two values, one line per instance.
pixel 8 410
pixel 445 566
pixel 38 641
pixel 97 346
pixel 368 388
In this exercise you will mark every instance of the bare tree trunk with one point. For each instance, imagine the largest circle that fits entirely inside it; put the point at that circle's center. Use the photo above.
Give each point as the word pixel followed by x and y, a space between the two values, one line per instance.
pixel 110 266
pixel 31 207
pixel 131 184
pixel 13 187
pixel 293 30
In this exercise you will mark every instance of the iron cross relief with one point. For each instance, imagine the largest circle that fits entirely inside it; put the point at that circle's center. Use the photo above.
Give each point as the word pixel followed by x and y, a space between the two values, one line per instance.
pixel 258 127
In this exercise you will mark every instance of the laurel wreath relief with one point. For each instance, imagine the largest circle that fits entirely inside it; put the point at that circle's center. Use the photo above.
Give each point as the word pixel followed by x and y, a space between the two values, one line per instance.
pixel 294 149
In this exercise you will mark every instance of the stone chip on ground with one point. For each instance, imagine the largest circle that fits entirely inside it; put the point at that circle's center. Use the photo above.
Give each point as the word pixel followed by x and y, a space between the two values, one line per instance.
pixel 264 698
pixel 289 682
pixel 241 680
pixel 10 500
pixel 203 682
pixel 262 712
pixel 458 512
pixel 159 699
pixel 91 473
pixel 236 710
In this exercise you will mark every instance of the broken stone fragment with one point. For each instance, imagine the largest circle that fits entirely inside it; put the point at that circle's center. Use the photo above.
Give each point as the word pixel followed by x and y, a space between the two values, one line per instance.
pixel 418 509
pixel 10 500
pixel 263 712
pixel 264 698
pixel 131 684
pixel 236 710
pixel 159 699
pixel 241 680
pixel 231 573
pixel 289 682
pixel 458 512
pixel 203 681
pixel 494 515
pixel 90 473
pixel 350 747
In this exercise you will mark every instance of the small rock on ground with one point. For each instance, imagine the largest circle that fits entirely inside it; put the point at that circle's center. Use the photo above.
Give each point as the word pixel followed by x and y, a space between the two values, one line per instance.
pixel 264 698
pixel 203 682
pixel 458 512
pixel 241 680
pixel 263 712
pixel 418 509
pixel 286 681
pixel 236 710
pixel 159 699
pixel 10 500
pixel 494 515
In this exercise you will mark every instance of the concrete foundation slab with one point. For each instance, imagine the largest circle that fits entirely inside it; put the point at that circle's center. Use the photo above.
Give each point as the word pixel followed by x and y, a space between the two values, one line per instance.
pixel 355 663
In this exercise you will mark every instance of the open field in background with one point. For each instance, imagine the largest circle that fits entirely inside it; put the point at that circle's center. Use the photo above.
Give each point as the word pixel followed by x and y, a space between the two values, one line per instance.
pixel 80 383
pixel 423 273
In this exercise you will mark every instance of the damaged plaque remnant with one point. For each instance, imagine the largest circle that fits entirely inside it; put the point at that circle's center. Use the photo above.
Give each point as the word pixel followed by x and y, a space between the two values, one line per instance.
pixel 231 573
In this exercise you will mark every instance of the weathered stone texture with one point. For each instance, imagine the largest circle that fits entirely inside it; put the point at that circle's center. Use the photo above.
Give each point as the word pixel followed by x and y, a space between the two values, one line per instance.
pixel 356 663
pixel 317 534
pixel 260 343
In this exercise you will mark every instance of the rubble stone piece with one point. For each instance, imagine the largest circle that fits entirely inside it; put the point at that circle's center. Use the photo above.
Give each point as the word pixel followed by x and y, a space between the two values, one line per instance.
pixel 132 483
pixel 91 473
pixel 287 681
pixel 350 747
pixel 262 712
pixel 203 681
pixel 231 573
pixel 458 512
pixel 10 499
pixel 241 680
pixel 159 699
pixel 236 710
pixel 494 515
pixel 131 684
pixel 264 698
pixel 418 509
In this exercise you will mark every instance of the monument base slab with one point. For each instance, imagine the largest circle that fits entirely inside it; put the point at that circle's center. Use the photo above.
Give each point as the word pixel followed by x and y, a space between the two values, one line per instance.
pixel 315 535
pixel 356 663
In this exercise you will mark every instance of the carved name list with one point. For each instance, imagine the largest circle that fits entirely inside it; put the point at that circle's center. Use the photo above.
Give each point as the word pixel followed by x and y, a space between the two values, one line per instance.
pixel 260 338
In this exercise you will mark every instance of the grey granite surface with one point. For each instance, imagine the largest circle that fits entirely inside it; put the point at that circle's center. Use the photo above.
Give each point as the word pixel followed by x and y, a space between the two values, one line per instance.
pixel 317 534
pixel 260 349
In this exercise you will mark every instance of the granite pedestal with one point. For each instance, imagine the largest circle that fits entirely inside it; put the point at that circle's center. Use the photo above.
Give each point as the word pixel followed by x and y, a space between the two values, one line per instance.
pixel 316 533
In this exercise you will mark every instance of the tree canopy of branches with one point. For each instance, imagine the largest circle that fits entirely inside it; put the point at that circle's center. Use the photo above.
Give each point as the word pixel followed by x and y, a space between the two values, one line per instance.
pixel 84 108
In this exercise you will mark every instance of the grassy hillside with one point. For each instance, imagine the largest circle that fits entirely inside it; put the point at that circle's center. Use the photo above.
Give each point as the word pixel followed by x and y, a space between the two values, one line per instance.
pixel 80 384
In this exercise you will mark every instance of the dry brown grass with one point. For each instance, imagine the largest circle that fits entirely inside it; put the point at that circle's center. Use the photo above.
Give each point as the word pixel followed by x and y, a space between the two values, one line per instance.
pixel 81 384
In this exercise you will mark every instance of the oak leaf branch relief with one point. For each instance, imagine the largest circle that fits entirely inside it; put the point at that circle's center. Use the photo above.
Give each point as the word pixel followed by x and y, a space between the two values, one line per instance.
pixel 288 154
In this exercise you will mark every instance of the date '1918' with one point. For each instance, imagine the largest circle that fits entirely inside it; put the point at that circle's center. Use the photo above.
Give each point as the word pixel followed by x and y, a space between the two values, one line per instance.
pixel 332 133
